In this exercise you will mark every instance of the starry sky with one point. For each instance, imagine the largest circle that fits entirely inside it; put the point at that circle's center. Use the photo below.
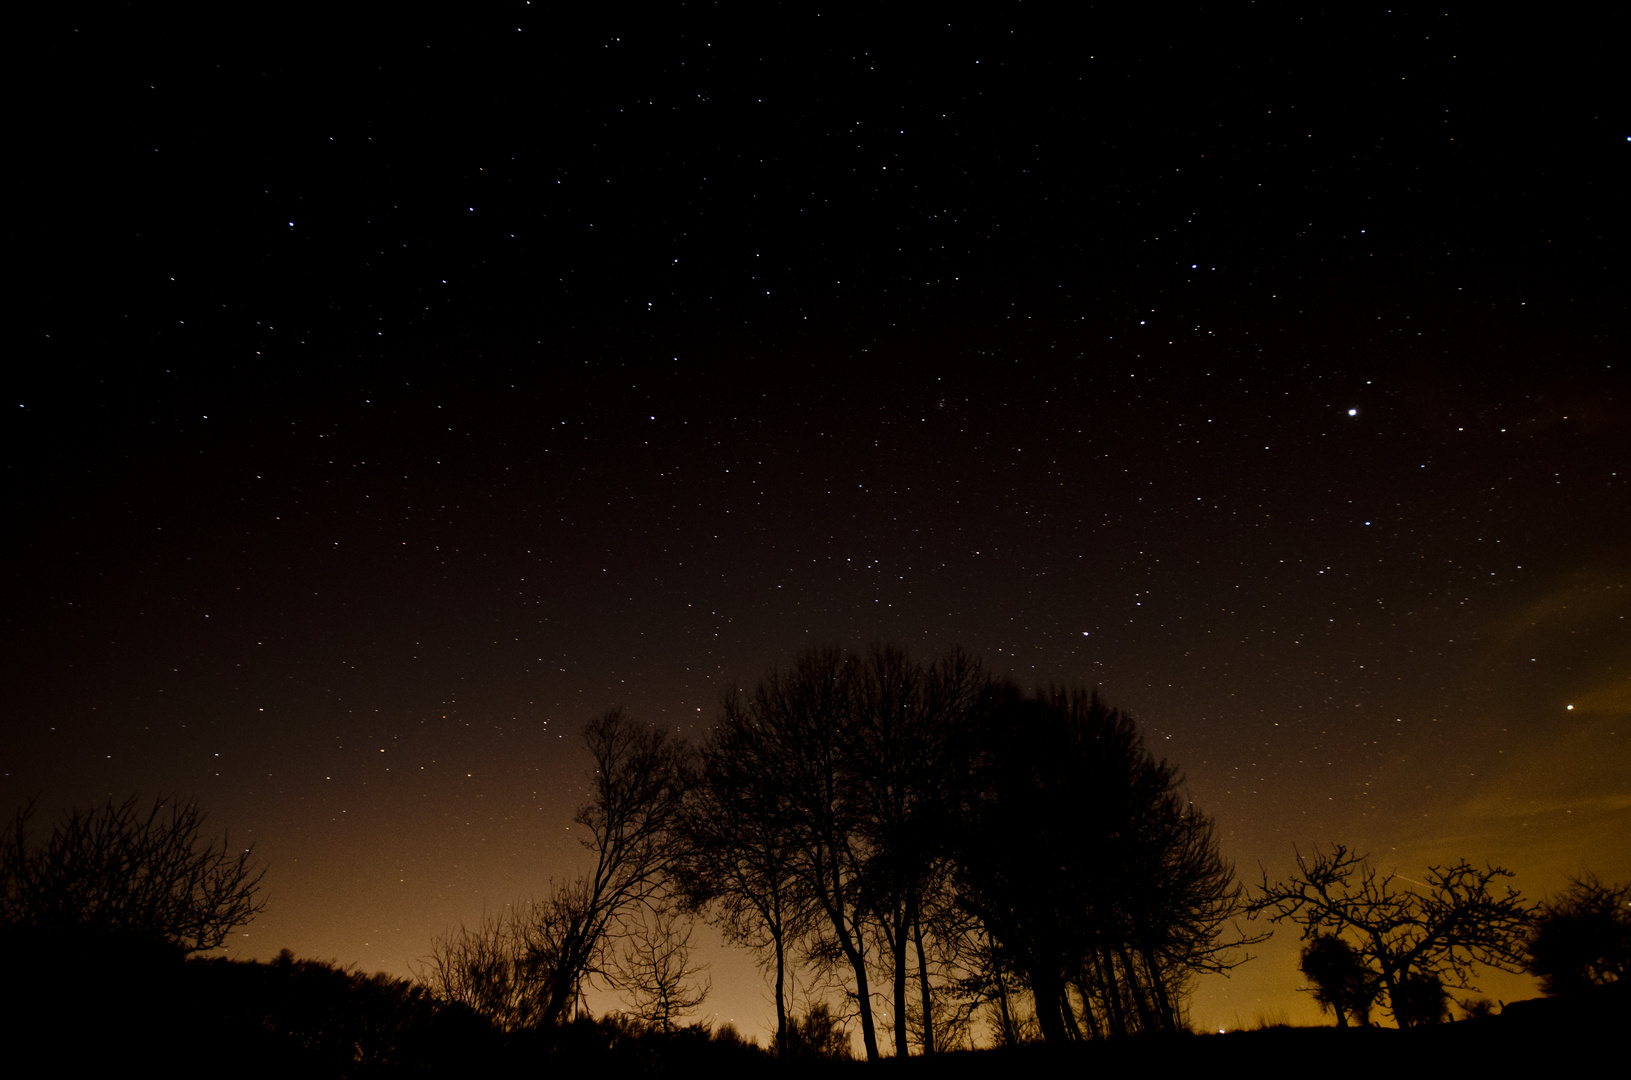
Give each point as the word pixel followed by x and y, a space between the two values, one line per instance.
pixel 388 396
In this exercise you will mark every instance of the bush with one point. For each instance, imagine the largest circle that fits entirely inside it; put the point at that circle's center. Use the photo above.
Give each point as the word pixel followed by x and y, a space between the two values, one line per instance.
pixel 118 873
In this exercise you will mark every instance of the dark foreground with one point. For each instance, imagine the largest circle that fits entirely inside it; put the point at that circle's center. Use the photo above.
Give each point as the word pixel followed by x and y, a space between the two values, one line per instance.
pixel 76 1012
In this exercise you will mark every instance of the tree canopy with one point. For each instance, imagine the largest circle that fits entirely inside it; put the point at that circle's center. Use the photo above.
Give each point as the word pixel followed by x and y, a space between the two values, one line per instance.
pixel 925 819
pixel 930 840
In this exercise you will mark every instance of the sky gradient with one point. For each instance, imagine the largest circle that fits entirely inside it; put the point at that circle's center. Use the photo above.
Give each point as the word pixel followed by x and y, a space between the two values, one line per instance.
pixel 394 398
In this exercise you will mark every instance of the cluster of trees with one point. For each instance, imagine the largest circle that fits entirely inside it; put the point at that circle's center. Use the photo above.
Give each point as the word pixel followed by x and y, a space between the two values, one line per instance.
pixel 1370 935
pixel 921 835
pixel 938 844
pixel 1372 938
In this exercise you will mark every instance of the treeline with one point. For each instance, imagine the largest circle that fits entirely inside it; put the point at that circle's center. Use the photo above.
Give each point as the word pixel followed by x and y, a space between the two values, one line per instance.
pixel 90 1003
pixel 967 861
pixel 952 861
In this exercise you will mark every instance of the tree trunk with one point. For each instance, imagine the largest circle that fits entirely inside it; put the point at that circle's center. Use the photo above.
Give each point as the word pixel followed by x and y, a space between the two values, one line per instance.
pixel 781 994
pixel 852 948
pixel 869 1034
pixel 1141 1001
pixel 1115 1011
pixel 923 985
pixel 897 945
pixel 1088 1012
pixel 1046 989
pixel 1069 1013
pixel 1010 1034
pixel 1167 1013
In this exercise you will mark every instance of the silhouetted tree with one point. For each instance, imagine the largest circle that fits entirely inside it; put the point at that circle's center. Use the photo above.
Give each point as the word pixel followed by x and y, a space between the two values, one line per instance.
pixel 1582 938
pixel 896 761
pixel 118 872
pixel 639 782
pixel 1079 857
pixel 654 967
pixel 841 761
pixel 738 862
pixel 803 720
pixel 988 981
pixel 1179 900
pixel 1419 999
pixel 1403 935
pixel 528 967
pixel 1342 982
pixel 502 968
pixel 908 820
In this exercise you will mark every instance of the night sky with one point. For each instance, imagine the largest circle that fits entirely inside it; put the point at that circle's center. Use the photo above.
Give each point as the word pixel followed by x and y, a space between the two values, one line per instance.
pixel 387 397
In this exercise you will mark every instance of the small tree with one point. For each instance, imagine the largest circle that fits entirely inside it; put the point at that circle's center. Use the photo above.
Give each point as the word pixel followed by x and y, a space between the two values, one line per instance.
pixel 1342 982
pixel 654 968
pixel 532 965
pixel 737 867
pixel 503 969
pixel 816 1036
pixel 116 872
pixel 1403 935
pixel 1582 938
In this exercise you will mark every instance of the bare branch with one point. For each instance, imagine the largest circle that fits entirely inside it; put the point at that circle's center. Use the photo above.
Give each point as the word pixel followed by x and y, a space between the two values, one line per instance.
pixel 1411 940
pixel 116 871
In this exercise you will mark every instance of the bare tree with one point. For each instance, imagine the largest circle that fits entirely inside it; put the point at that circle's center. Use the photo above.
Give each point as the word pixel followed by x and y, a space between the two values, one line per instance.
pixel 639 782
pixel 505 968
pixel 1442 933
pixel 895 761
pixel 738 863
pixel 485 968
pixel 900 820
pixel 654 967
pixel 529 967
pixel 803 723
pixel 803 718
pixel 118 872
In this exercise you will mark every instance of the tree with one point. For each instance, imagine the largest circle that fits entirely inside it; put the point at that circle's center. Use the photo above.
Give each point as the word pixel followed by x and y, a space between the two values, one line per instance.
pixel 840 762
pixel 639 782
pixel 654 967
pixel 1342 982
pixel 738 860
pixel 116 872
pixel 1084 863
pixel 525 969
pixel 1419 999
pixel 1582 938
pixel 503 969
pixel 895 760
pixel 1179 898
pixel 900 819
pixel 802 722
pixel 1405 936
